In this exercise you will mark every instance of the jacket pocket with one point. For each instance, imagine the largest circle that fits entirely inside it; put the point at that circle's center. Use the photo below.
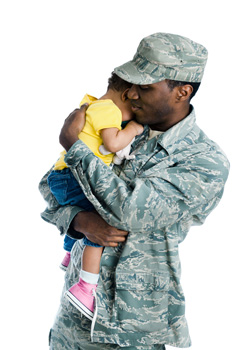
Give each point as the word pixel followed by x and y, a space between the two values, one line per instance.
pixel 141 302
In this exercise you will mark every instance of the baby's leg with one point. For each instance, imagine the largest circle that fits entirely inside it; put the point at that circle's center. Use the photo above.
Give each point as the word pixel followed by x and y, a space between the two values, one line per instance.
pixel 81 294
pixel 91 258
pixel 68 245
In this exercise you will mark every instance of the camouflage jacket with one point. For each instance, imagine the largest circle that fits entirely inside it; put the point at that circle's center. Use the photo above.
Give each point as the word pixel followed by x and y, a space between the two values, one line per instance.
pixel 175 181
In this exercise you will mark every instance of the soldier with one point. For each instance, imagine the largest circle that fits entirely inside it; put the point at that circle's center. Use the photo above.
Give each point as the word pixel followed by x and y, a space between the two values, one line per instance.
pixel 144 208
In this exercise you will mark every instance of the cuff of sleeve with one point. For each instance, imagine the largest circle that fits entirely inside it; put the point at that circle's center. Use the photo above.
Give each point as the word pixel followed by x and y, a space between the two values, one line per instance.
pixel 64 222
pixel 76 153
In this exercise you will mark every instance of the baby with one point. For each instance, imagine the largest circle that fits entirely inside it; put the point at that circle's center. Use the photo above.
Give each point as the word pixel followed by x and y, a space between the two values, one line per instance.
pixel 104 118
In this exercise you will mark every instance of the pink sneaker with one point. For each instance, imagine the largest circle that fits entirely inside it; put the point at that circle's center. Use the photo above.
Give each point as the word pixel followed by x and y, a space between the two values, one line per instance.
pixel 65 262
pixel 81 296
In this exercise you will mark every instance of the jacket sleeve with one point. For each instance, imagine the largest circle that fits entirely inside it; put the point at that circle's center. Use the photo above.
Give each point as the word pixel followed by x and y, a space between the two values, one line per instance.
pixel 157 197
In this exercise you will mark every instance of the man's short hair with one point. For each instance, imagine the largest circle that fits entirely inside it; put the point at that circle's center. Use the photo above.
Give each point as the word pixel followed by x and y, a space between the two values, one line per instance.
pixel 174 83
pixel 117 83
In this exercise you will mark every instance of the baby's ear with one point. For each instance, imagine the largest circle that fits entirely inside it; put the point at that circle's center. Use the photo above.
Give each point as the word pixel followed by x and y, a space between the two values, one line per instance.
pixel 124 95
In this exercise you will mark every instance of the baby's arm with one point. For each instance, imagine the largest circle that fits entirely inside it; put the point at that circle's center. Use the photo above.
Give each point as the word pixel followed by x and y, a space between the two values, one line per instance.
pixel 114 139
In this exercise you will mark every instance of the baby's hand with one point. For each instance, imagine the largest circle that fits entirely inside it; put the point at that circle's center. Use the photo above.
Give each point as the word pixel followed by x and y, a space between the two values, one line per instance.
pixel 139 127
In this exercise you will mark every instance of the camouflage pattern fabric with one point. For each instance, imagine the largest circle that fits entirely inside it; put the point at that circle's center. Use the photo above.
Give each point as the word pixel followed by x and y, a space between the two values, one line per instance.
pixel 71 332
pixel 165 56
pixel 175 181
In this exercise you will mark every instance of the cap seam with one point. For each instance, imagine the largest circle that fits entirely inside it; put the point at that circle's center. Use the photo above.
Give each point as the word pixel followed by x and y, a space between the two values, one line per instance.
pixel 153 62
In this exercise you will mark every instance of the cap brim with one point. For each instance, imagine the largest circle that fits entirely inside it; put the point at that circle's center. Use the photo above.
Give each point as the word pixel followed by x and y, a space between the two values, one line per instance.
pixel 129 72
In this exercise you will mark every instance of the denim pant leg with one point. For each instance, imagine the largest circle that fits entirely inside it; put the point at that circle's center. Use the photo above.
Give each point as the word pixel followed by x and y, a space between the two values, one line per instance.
pixel 67 191
pixel 68 243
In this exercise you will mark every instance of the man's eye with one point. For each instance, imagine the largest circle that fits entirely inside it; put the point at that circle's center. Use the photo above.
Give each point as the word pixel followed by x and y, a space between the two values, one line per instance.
pixel 143 87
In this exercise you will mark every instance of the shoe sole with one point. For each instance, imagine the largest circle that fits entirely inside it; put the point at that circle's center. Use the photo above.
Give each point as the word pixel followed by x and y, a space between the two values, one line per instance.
pixel 63 267
pixel 82 308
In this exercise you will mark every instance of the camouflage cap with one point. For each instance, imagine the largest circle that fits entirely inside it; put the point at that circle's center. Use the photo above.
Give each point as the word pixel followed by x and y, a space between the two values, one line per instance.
pixel 165 56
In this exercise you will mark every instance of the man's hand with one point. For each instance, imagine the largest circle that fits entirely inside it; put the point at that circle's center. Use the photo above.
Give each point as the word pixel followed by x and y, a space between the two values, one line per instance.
pixel 72 127
pixel 97 230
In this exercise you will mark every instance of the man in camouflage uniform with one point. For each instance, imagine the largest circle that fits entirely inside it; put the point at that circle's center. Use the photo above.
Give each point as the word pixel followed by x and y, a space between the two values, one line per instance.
pixel 176 179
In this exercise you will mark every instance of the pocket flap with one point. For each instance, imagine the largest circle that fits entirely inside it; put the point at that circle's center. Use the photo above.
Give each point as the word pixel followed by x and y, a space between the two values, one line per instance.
pixel 142 281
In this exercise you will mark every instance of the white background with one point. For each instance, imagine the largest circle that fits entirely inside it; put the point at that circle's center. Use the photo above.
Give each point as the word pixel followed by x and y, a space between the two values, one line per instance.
pixel 52 53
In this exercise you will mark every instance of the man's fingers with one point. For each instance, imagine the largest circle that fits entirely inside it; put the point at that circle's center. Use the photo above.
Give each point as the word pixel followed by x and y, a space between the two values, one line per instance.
pixel 117 239
pixel 84 106
pixel 112 240
pixel 111 244
pixel 117 233
pixel 73 114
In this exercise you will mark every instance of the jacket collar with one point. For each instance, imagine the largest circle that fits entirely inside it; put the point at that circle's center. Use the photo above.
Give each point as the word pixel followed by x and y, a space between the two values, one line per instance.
pixel 170 139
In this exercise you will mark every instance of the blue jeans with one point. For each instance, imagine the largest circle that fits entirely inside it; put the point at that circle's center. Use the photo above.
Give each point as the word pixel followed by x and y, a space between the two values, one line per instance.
pixel 67 191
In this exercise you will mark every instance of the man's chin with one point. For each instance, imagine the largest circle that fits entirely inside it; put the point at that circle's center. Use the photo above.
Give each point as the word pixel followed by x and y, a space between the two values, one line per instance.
pixel 140 121
pixel 139 118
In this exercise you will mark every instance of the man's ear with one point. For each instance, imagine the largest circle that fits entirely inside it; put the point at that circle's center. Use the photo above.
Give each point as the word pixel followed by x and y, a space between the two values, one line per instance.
pixel 124 95
pixel 184 92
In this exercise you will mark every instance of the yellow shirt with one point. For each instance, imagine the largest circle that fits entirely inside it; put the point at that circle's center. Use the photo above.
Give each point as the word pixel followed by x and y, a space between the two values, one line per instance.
pixel 101 114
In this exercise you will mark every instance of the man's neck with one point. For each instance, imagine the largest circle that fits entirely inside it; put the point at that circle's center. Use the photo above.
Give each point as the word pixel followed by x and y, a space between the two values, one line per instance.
pixel 174 119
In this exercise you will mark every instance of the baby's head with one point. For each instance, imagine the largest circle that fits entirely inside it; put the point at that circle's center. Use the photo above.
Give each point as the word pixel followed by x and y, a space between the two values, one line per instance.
pixel 120 90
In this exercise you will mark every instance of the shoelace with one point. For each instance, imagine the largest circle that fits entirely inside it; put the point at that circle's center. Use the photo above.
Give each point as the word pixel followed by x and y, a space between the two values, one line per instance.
pixel 94 316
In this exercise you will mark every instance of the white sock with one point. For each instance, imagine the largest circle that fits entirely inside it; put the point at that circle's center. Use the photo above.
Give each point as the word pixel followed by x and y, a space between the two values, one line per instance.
pixel 89 277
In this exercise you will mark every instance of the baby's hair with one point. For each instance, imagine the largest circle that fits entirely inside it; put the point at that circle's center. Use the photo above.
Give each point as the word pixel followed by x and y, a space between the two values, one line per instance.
pixel 117 83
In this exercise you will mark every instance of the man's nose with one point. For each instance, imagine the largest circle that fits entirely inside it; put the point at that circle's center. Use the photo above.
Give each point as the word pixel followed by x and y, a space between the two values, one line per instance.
pixel 132 93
